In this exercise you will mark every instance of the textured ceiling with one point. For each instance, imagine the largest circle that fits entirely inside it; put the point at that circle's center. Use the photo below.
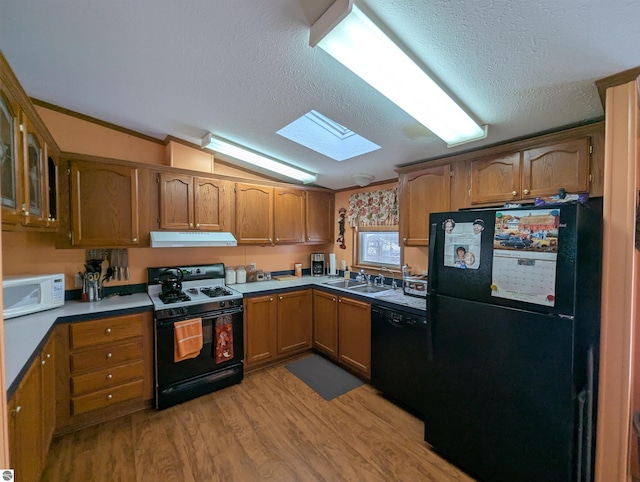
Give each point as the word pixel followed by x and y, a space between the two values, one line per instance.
pixel 243 69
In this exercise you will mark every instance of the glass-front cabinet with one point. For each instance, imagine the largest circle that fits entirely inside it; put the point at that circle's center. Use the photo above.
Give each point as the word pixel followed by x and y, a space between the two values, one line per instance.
pixel 9 128
pixel 28 153
pixel 34 208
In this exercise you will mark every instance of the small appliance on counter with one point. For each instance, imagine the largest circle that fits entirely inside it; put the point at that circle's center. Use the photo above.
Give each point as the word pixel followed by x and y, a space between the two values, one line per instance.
pixel 415 286
pixel 23 295
pixel 317 264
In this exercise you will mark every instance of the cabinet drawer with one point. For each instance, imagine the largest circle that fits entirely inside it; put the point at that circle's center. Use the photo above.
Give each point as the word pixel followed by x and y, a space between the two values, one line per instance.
pixel 90 333
pixel 106 378
pixel 106 398
pixel 103 357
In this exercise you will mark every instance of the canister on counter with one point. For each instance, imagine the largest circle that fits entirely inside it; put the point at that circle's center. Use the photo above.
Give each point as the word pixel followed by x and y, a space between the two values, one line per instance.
pixel 230 276
pixel 298 269
pixel 241 275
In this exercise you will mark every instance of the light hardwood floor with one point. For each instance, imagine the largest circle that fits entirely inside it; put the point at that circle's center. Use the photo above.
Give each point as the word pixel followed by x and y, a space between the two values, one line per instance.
pixel 269 427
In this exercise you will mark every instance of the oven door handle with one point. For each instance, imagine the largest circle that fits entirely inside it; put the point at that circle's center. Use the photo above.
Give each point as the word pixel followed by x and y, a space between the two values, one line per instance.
pixel 204 316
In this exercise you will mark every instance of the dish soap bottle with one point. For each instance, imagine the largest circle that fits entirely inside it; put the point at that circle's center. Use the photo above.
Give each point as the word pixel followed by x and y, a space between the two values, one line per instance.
pixel 347 275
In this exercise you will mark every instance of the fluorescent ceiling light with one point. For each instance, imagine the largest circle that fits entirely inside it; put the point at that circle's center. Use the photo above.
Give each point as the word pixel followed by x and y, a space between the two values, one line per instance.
pixel 348 35
pixel 260 160
pixel 327 137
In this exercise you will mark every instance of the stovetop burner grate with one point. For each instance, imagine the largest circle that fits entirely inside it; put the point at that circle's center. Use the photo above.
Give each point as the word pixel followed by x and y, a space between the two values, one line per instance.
pixel 173 297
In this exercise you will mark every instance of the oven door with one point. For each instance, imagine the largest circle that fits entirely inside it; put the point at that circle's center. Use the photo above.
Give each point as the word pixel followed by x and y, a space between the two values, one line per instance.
pixel 168 371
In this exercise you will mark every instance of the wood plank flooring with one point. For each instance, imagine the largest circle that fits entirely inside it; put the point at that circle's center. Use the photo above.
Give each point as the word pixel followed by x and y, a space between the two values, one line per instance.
pixel 272 426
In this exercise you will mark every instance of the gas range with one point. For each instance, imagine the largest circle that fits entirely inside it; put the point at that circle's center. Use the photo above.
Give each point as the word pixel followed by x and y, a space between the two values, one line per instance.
pixel 190 290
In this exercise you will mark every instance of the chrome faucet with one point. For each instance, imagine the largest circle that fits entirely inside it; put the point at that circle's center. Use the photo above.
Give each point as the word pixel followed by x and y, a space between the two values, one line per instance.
pixel 360 276
pixel 379 279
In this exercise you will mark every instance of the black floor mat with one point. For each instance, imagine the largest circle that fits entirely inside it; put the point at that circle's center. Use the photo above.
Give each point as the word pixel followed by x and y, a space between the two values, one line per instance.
pixel 326 379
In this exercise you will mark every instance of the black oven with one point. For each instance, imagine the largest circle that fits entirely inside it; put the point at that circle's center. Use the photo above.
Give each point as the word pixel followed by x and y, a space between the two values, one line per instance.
pixel 214 355
pixel 177 382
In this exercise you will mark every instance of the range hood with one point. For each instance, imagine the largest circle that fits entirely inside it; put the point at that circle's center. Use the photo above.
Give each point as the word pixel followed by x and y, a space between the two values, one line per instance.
pixel 190 239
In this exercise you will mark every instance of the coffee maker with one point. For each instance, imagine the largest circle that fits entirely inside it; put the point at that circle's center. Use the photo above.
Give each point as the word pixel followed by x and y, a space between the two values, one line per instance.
pixel 317 264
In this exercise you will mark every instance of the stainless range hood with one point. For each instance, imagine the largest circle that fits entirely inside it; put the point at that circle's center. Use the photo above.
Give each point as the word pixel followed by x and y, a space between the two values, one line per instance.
pixel 191 239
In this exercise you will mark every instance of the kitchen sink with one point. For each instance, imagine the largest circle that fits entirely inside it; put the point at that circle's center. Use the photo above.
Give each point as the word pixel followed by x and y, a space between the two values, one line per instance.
pixel 343 283
pixel 370 288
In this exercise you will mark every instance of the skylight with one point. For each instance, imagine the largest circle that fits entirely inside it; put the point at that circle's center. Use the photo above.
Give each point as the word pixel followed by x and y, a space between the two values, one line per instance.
pixel 325 136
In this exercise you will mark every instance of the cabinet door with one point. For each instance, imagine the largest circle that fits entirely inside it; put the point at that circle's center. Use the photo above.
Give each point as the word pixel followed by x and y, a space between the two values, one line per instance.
pixel 176 201
pixel 548 168
pixel 33 180
pixel 294 321
pixel 25 413
pixel 10 158
pixel 52 192
pixel 211 204
pixel 319 217
pixel 260 329
pixel 254 214
pixel 355 334
pixel 496 179
pixel 325 322
pixel 288 216
pixel 422 193
pixel 47 361
pixel 104 204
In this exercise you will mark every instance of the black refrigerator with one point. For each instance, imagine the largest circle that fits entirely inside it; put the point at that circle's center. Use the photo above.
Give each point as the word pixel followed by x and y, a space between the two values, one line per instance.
pixel 513 308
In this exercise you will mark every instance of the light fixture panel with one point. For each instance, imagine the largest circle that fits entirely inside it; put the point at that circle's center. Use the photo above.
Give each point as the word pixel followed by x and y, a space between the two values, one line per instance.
pixel 363 48
pixel 249 156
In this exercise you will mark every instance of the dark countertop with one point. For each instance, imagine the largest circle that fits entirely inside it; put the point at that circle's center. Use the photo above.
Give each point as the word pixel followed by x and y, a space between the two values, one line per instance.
pixel 24 336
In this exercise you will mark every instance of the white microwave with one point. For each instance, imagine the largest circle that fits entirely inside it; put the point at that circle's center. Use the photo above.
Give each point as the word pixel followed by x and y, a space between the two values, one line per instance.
pixel 22 295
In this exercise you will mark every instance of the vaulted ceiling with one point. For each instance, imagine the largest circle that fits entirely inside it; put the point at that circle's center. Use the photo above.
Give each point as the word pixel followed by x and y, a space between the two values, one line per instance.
pixel 243 69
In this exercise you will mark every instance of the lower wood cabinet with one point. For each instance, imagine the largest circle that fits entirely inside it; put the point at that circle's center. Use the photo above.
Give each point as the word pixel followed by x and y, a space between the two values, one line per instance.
pixel 106 369
pixel 276 326
pixel 32 416
pixel 342 330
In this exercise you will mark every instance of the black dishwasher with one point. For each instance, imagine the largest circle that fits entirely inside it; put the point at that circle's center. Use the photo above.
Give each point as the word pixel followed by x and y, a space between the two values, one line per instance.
pixel 400 351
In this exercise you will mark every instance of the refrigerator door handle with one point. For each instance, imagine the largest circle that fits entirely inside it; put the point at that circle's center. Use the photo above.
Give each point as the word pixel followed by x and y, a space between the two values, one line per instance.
pixel 432 254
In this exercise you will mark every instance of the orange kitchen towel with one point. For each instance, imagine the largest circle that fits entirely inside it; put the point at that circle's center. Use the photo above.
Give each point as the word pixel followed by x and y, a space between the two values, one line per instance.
pixel 224 338
pixel 187 341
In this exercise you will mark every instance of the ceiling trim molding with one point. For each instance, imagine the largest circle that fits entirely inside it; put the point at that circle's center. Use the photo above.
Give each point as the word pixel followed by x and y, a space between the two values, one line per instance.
pixel 373 184
pixel 94 120
pixel 614 80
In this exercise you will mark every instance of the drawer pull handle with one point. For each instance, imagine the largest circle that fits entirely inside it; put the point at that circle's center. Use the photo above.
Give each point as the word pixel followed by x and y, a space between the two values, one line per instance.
pixel 109 376
pixel 48 355
pixel 107 331
pixel 526 191
pixel 43 362
pixel 109 355
pixel 109 397
pixel 514 193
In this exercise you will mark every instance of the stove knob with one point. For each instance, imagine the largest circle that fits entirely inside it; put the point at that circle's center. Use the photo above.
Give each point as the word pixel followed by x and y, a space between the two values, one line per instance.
pixel 222 304
pixel 232 302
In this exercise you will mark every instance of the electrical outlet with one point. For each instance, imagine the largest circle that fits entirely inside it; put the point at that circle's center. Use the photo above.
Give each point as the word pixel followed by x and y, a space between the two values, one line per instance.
pixel 252 266
pixel 78 281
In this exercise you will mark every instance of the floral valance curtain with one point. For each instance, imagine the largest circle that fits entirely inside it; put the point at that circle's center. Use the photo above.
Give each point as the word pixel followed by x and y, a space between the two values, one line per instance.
pixel 375 208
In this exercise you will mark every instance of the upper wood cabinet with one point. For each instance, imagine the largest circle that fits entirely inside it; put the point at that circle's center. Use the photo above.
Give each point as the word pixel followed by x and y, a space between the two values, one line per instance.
pixel 25 154
pixel 530 173
pixel 319 217
pixel 194 202
pixel 289 216
pixel 104 204
pixel 254 214
pixel 280 215
pixel 422 192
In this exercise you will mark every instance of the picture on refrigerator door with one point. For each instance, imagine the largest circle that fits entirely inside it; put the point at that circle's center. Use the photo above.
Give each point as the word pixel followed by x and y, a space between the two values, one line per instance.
pixel 525 252
pixel 462 244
